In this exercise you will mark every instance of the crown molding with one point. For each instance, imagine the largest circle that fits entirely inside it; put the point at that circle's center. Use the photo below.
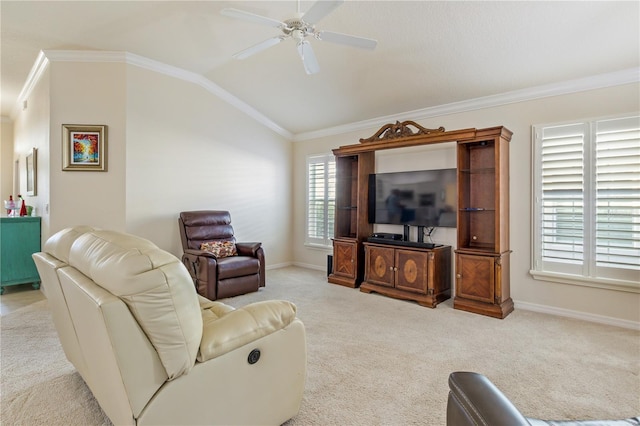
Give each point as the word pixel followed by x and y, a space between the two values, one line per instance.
pixel 211 87
pixel 47 56
pixel 618 78
pixel 35 74
pixel 84 56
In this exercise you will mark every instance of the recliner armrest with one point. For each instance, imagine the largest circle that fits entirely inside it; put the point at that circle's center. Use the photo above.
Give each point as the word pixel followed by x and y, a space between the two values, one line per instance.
pixel 474 400
pixel 248 249
pixel 231 330
pixel 199 253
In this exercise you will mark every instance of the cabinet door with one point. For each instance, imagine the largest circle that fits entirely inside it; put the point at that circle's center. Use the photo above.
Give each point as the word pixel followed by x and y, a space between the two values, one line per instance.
pixel 379 268
pixel 20 238
pixel 411 271
pixel 475 277
pixel 344 259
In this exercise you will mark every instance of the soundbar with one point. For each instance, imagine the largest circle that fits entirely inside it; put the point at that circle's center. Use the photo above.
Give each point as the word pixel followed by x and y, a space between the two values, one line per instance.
pixel 402 243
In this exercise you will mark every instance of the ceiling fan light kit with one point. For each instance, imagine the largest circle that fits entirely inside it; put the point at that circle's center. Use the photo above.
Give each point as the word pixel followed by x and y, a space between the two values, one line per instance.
pixel 298 29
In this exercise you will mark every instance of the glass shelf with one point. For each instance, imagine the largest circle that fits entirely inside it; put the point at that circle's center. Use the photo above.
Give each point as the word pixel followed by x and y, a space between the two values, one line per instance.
pixel 479 170
pixel 476 209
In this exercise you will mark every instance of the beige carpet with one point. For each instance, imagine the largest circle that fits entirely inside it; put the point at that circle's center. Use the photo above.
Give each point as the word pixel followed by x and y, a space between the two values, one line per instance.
pixel 372 360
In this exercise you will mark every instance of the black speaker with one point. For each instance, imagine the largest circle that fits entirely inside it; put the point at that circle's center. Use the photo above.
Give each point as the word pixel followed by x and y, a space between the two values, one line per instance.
pixel 329 264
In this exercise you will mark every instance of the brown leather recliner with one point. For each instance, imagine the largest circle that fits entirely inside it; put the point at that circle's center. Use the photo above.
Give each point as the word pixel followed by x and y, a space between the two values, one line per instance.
pixel 217 278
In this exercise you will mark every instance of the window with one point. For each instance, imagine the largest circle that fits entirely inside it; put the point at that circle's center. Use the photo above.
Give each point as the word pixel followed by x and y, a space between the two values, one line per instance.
pixel 321 199
pixel 586 227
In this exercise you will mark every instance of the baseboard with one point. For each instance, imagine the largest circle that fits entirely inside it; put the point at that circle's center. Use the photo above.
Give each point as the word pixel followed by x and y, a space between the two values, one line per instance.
pixel 278 265
pixel 601 319
pixel 299 264
pixel 310 266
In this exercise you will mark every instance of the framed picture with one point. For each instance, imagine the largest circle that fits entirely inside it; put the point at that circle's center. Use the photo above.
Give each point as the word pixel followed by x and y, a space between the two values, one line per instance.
pixel 32 172
pixel 16 177
pixel 84 147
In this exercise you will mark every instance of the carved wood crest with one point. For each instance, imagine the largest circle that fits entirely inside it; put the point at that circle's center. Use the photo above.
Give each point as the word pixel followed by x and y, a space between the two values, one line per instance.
pixel 400 130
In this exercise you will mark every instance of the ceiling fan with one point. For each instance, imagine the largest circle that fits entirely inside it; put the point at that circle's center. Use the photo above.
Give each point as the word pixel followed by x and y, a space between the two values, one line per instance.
pixel 299 28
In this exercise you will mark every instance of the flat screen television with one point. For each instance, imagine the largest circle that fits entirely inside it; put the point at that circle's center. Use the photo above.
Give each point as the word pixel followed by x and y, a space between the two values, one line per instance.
pixel 421 198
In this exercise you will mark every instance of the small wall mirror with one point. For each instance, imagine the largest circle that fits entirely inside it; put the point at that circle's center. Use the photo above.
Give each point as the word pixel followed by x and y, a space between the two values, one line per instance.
pixel 32 177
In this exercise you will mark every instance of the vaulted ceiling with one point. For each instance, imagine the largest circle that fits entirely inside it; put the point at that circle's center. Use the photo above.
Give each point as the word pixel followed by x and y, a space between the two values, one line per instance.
pixel 429 53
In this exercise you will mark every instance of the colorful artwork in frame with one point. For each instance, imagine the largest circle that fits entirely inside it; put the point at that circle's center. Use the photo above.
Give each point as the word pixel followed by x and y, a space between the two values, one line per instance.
pixel 84 147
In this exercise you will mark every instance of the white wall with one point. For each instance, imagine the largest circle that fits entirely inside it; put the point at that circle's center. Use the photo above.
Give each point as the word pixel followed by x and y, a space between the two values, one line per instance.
pixel 6 158
pixel 90 94
pixel 188 150
pixel 613 306
pixel 31 130
pixel 171 146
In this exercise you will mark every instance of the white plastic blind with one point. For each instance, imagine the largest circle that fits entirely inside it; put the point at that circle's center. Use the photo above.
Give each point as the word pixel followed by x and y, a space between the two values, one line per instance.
pixel 562 193
pixel 587 199
pixel 321 199
pixel 617 175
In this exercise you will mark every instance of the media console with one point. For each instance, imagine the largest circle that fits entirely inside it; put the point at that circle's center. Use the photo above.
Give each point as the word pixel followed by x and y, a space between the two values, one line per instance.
pixel 408 270
pixel 403 243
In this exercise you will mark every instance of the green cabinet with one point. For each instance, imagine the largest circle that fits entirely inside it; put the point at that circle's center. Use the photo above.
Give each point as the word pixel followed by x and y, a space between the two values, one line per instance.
pixel 19 239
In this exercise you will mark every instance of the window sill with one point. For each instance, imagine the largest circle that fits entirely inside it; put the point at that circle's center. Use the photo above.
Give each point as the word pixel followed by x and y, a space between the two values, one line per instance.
pixel 318 246
pixel 603 283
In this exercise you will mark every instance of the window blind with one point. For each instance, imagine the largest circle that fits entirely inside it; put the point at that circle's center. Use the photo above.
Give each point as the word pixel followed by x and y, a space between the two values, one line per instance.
pixel 587 199
pixel 617 176
pixel 562 194
pixel 321 175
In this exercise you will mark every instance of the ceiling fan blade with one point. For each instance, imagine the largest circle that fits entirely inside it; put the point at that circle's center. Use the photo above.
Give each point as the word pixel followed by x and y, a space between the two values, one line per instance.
pixel 320 9
pixel 349 40
pixel 308 57
pixel 251 17
pixel 258 47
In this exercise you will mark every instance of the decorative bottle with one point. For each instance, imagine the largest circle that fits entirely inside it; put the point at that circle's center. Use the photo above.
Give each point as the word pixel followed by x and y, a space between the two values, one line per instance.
pixel 23 207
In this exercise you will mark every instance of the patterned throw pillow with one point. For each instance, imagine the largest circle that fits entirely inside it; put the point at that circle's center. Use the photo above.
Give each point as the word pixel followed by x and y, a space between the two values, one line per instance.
pixel 220 248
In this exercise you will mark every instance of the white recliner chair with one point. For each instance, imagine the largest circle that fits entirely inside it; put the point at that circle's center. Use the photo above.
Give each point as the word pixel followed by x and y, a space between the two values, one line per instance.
pixel 154 352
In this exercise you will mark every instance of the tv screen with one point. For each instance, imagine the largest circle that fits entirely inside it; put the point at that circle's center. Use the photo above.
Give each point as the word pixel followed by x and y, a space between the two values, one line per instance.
pixel 420 198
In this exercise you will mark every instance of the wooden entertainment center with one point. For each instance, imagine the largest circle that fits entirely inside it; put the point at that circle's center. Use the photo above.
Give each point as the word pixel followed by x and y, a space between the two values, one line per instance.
pixel 406 272
pixel 422 273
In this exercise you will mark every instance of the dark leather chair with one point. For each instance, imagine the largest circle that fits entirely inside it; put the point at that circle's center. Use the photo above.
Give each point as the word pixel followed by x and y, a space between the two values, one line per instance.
pixel 219 277
pixel 474 400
